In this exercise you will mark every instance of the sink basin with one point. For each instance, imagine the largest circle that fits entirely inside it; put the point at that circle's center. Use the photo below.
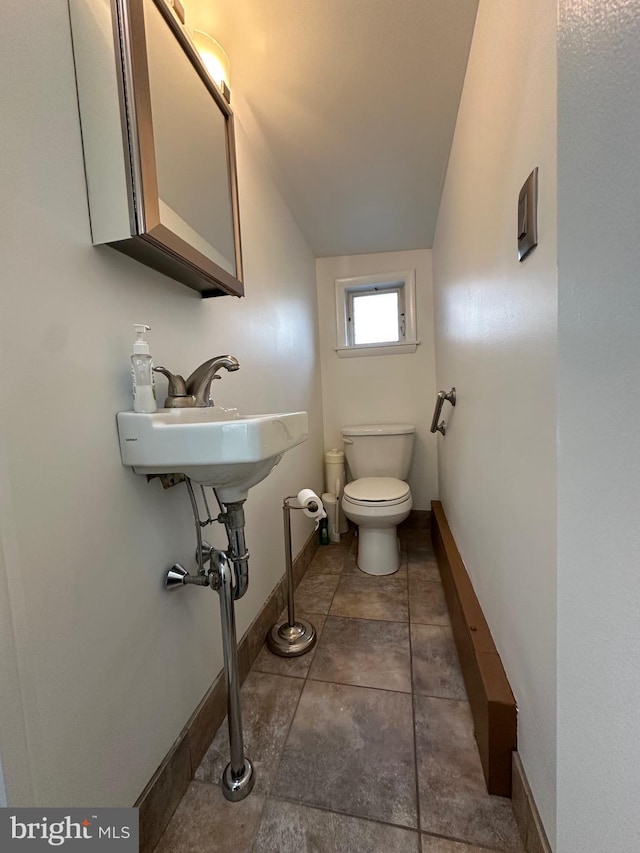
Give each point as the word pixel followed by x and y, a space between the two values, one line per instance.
pixel 213 446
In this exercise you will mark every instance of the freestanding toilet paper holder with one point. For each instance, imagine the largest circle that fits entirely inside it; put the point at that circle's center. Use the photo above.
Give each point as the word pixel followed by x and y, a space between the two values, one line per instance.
pixel 291 637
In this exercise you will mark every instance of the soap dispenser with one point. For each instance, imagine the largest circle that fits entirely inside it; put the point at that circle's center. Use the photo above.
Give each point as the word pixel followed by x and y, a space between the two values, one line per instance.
pixel 144 397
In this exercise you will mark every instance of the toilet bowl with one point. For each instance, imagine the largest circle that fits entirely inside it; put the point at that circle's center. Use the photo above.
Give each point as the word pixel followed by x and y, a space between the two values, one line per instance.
pixel 377 499
pixel 377 505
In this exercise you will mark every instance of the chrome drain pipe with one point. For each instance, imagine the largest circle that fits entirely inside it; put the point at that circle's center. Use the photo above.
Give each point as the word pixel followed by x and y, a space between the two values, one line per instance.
pixel 227 573
pixel 238 776
pixel 233 520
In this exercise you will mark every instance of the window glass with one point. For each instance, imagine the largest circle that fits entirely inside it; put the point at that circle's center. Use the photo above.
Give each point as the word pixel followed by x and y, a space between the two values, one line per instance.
pixel 375 317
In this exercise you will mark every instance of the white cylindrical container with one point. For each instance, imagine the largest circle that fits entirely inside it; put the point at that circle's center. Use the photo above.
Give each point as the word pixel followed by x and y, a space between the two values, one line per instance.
pixel 334 472
pixel 333 517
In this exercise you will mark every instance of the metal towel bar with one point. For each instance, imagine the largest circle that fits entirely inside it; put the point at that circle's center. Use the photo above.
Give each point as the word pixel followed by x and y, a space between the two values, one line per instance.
pixel 450 396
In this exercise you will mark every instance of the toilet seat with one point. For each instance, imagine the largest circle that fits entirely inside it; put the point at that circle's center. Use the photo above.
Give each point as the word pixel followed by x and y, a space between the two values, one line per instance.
pixel 377 492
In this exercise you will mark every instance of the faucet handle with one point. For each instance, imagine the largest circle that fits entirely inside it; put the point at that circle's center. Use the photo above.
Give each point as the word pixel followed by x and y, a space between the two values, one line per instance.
pixel 177 385
pixel 177 394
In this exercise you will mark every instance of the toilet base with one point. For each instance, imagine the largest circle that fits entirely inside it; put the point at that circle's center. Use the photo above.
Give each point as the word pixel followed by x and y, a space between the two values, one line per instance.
pixel 378 550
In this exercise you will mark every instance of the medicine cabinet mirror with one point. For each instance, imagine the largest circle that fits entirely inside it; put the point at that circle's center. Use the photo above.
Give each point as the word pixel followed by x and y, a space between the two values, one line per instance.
pixel 158 143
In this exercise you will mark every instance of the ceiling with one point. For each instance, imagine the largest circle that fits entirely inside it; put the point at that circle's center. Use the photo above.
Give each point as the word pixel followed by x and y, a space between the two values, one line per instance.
pixel 353 103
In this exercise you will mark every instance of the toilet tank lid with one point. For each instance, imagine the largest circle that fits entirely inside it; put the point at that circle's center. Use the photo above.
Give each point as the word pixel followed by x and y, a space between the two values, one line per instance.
pixel 379 429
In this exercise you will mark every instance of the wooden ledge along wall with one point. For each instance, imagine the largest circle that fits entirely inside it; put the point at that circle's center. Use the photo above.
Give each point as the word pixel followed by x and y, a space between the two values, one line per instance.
pixel 492 704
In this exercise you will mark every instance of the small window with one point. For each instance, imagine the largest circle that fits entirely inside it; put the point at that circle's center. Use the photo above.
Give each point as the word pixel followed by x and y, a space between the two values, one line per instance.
pixel 376 314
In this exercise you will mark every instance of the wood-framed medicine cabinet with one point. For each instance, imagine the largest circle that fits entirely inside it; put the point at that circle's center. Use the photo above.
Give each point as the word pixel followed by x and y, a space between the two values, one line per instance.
pixel 158 143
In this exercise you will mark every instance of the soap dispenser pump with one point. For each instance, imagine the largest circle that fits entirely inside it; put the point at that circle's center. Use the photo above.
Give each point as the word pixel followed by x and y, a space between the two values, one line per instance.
pixel 144 397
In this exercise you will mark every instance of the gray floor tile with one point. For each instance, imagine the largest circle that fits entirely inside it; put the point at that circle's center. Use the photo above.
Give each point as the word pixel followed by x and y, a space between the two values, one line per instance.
pixel 409 531
pixel 420 554
pixel 370 597
pixel 351 568
pixel 350 564
pixel 350 749
pixel 427 603
pixel 424 569
pixel 350 745
pixel 417 541
pixel 297 667
pixel 205 822
pixel 453 797
pixel 328 560
pixel 365 653
pixel 430 844
pixel 291 828
pixel 268 705
pixel 436 668
pixel 315 592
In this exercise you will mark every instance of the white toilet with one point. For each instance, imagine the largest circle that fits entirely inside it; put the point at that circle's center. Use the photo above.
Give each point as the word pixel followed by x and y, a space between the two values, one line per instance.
pixel 378 498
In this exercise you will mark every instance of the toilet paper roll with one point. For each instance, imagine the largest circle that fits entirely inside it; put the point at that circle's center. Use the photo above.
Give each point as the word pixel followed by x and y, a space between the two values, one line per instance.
pixel 307 497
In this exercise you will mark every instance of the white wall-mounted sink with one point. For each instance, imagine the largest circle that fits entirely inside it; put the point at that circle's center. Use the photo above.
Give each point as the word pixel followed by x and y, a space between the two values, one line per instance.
pixel 212 446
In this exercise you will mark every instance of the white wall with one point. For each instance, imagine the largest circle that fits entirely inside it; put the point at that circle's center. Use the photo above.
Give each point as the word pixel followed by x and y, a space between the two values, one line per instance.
pixel 495 341
pixel 110 667
pixel 384 388
pixel 13 743
pixel 598 417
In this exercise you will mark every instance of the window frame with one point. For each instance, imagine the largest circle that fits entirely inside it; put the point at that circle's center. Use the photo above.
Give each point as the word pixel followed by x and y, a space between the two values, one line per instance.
pixel 346 288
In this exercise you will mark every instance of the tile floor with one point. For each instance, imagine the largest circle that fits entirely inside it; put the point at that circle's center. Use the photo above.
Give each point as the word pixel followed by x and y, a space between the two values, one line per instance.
pixel 365 744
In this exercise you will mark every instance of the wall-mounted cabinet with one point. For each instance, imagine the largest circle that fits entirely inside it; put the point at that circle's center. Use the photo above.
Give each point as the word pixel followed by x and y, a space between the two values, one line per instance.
pixel 158 144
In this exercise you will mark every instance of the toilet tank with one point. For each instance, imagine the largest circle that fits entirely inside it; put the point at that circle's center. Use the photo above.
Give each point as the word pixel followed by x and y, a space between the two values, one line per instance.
pixel 379 450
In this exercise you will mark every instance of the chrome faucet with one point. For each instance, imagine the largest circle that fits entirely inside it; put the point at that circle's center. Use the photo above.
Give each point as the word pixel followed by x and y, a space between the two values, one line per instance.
pixel 196 390
pixel 199 383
